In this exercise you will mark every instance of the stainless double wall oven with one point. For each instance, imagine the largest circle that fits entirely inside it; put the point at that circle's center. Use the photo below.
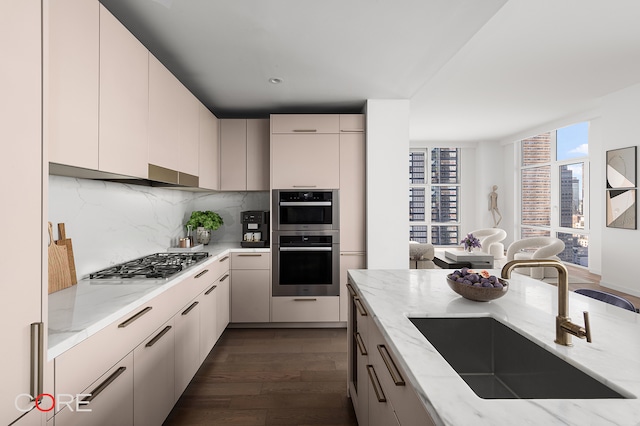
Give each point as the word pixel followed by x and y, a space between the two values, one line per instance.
pixel 306 243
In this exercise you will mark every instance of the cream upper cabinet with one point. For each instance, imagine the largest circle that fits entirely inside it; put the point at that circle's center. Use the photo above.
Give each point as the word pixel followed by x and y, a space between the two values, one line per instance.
pixel 209 155
pixel 21 135
pixel 258 154
pixel 352 123
pixel 233 154
pixel 124 100
pixel 305 161
pixel 305 123
pixel 352 192
pixel 173 121
pixel 244 155
pixel 71 66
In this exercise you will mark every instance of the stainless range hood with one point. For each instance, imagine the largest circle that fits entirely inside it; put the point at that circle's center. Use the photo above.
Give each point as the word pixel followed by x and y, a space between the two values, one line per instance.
pixel 157 177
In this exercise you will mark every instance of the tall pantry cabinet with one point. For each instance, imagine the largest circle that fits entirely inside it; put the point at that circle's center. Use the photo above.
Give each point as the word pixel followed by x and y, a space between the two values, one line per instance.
pixel 22 312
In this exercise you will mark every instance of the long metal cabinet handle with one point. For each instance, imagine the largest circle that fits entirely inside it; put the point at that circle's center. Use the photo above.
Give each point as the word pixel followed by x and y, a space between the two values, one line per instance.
pixel 305 130
pixel 360 343
pixel 305 186
pixel 305 300
pixel 223 278
pixel 361 309
pixel 250 255
pixel 201 273
pixel 193 305
pixel 352 292
pixel 352 130
pixel 206 293
pixel 37 359
pixel 306 248
pixel 223 259
pixel 102 386
pixel 135 317
pixel 158 337
pixel 388 361
pixel 376 384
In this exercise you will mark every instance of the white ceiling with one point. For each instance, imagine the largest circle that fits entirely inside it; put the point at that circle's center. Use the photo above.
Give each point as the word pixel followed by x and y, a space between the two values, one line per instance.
pixel 473 69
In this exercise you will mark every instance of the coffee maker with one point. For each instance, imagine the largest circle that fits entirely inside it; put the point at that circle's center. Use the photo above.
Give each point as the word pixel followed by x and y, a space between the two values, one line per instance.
pixel 255 228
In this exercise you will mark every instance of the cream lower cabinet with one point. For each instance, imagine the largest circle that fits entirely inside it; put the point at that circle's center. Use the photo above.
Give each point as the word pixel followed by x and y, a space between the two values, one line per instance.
pixel 223 307
pixel 154 377
pixel 305 309
pixel 208 321
pixel 109 400
pixel 187 344
pixel 250 287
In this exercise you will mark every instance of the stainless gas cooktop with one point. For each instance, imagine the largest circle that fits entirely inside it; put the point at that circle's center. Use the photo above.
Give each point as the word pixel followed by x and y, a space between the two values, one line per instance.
pixel 158 265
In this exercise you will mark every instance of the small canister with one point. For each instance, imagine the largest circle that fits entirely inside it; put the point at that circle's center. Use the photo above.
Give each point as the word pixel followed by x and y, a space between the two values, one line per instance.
pixel 184 242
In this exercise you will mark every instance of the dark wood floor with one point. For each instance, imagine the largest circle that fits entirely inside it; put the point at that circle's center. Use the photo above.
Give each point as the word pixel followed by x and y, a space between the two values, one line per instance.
pixel 270 377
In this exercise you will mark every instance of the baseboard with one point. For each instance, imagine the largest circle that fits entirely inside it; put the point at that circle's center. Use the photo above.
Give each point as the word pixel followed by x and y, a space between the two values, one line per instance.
pixel 288 325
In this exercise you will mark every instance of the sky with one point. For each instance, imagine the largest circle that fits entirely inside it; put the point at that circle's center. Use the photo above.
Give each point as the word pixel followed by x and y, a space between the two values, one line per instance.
pixel 572 141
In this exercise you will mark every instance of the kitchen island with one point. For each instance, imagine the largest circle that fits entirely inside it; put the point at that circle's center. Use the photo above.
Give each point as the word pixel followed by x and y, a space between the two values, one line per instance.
pixel 391 297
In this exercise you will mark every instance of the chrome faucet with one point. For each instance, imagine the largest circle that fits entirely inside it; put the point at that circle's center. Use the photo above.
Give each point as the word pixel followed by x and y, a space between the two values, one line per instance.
pixel 564 327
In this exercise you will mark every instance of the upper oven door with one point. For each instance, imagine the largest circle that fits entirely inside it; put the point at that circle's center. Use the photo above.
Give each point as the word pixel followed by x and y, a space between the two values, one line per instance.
pixel 306 210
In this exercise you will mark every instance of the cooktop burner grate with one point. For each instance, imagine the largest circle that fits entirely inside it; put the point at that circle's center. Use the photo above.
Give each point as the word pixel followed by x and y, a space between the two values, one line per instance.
pixel 158 265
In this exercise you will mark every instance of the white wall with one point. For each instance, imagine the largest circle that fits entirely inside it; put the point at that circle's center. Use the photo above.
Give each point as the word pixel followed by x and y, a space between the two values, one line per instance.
pixel 387 184
pixel 111 222
pixel 620 129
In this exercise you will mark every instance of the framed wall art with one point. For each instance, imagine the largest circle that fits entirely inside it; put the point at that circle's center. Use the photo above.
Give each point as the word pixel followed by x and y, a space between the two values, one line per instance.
pixel 621 168
pixel 621 196
pixel 621 208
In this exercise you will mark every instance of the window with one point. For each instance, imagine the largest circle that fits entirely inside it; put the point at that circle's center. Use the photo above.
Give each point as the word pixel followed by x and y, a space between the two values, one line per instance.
pixel 442 226
pixel 554 189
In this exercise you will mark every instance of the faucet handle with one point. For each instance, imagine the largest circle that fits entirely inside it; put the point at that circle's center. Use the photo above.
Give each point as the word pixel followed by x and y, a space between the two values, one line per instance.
pixel 587 326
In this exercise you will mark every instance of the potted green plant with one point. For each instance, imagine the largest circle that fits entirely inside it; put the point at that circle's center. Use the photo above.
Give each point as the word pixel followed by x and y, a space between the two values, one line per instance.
pixel 204 222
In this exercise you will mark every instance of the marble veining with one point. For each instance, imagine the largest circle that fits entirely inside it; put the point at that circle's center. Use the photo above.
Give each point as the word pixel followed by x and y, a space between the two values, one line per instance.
pixel 82 310
pixel 530 306
pixel 111 222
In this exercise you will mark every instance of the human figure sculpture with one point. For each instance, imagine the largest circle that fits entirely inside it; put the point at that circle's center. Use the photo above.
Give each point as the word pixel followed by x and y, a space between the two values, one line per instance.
pixel 493 206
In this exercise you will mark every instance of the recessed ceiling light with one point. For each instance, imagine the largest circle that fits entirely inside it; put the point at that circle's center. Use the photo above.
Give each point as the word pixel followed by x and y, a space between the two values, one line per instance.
pixel 275 80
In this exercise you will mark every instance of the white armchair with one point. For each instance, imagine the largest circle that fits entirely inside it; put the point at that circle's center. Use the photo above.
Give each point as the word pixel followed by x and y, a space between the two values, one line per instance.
pixel 490 240
pixel 539 248
pixel 421 255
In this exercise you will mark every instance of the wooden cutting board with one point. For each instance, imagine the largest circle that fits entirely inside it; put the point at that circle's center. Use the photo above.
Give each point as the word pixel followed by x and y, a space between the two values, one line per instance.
pixel 64 241
pixel 59 275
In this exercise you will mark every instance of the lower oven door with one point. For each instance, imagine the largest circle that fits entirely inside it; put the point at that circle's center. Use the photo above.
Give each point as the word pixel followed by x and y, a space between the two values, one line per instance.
pixel 306 264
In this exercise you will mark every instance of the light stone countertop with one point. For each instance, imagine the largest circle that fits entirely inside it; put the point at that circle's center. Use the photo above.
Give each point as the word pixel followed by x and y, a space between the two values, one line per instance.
pixel 82 310
pixel 529 307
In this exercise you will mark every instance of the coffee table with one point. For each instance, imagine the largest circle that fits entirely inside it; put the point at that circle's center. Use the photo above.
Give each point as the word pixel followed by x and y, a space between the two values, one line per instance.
pixel 461 259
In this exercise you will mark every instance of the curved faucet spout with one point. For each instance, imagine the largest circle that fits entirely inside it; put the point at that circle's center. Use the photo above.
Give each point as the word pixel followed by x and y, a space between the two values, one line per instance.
pixel 564 327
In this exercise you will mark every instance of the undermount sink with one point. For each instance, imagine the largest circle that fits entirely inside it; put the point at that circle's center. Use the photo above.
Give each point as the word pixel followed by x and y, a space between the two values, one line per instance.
pixel 499 363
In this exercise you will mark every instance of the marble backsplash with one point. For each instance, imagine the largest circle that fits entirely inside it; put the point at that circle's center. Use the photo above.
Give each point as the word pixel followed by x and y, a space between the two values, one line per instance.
pixel 113 222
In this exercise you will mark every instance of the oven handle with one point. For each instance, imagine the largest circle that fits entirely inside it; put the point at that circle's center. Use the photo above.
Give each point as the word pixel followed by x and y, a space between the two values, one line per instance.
pixel 304 203
pixel 306 248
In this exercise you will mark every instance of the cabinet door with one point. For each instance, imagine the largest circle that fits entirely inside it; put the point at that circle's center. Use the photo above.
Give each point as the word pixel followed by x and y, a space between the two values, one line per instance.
pixel 250 260
pixel 305 123
pixel 209 158
pixel 352 192
pixel 348 261
pixel 305 309
pixel 233 155
pixel 305 161
pixel 20 131
pixel 153 377
pixel 71 53
pixel 250 295
pixel 352 123
pixel 224 304
pixel 208 320
pixel 111 400
pixel 187 342
pixel 173 121
pixel 258 154
pixel 124 100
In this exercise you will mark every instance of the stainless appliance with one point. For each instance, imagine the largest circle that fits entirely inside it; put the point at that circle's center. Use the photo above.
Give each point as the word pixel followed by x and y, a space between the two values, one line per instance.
pixel 255 228
pixel 158 265
pixel 315 210
pixel 306 263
